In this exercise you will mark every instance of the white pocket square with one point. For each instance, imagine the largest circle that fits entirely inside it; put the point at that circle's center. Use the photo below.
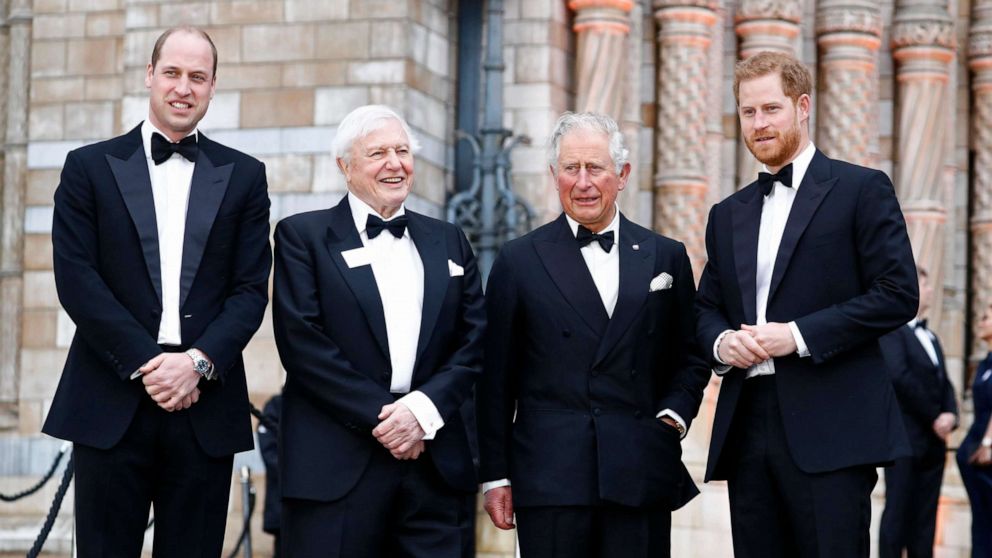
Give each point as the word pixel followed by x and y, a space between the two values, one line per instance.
pixel 455 270
pixel 661 282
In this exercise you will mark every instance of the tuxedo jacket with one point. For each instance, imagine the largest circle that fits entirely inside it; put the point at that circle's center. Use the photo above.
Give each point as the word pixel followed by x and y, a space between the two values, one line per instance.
pixel 922 389
pixel 568 402
pixel 844 272
pixel 330 329
pixel 108 276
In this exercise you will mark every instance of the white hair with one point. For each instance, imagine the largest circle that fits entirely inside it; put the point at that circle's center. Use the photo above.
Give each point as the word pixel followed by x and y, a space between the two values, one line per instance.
pixel 588 121
pixel 362 121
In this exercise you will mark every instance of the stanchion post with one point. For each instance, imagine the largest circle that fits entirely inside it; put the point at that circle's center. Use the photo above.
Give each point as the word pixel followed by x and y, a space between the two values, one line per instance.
pixel 246 509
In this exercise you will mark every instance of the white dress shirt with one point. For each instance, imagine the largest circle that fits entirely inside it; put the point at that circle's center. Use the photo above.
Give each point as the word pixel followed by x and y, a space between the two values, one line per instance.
pixel 605 270
pixel 774 215
pixel 926 338
pixel 399 277
pixel 170 190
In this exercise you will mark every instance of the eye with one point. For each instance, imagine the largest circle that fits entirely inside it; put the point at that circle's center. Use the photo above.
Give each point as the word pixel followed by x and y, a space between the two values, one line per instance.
pixel 377 154
pixel 199 77
pixel 402 151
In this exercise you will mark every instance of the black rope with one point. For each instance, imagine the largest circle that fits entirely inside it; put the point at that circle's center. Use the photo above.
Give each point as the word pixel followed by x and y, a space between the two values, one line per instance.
pixel 245 529
pixel 53 511
pixel 44 480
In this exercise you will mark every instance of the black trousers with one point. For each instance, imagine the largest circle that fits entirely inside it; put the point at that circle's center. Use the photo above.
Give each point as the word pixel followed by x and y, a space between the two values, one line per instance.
pixel 158 464
pixel 397 509
pixel 776 509
pixel 912 490
pixel 605 531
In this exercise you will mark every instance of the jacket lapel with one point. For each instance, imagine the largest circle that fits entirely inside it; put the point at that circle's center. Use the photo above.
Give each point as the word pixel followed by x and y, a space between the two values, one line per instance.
pixel 636 267
pixel 135 185
pixel 434 257
pixel 811 193
pixel 342 236
pixel 206 192
pixel 746 217
pixel 561 258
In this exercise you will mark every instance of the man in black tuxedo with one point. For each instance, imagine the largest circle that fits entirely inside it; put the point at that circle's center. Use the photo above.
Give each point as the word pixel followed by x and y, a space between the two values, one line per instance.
pixel 592 372
pixel 378 316
pixel 161 255
pixel 808 267
pixel 929 411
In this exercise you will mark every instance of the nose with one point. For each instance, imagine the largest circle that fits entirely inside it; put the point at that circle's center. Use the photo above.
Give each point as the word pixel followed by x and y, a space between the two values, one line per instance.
pixel 392 159
pixel 582 181
pixel 182 86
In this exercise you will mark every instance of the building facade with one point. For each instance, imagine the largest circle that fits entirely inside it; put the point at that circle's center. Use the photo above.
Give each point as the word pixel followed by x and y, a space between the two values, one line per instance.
pixel 901 85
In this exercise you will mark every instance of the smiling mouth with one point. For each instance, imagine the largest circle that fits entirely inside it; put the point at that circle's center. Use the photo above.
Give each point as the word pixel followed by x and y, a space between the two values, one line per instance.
pixel 392 180
pixel 180 105
pixel 763 139
pixel 586 201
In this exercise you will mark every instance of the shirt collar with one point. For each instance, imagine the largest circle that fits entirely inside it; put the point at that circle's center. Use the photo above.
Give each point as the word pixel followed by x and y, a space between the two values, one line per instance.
pixel 799 165
pixel 360 212
pixel 147 129
pixel 613 226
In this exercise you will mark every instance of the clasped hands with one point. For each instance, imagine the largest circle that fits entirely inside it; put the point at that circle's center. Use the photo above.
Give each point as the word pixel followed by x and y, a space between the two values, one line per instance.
pixel 399 431
pixel 171 381
pixel 754 344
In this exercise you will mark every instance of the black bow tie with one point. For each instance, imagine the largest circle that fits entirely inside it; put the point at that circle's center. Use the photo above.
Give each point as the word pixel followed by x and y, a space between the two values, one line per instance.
pixel 921 324
pixel 767 180
pixel 375 225
pixel 585 236
pixel 162 148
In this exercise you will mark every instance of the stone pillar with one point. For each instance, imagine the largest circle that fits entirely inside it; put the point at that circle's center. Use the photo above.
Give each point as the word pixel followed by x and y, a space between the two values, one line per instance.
pixel 980 62
pixel 763 25
pixel 848 33
pixel 602 27
pixel 923 47
pixel 685 29
pixel 716 90
pixel 15 56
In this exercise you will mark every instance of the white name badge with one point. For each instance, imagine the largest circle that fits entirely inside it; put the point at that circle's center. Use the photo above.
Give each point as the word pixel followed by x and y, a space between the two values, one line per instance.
pixel 357 257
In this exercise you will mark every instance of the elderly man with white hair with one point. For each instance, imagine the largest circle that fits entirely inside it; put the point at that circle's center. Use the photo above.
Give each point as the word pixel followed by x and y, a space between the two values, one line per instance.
pixel 378 317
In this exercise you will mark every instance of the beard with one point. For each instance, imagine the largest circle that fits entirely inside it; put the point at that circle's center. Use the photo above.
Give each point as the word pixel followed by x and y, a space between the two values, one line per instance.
pixel 769 154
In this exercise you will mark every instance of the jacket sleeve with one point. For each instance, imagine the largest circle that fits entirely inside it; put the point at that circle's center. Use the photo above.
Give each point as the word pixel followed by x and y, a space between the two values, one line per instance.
pixel 887 272
pixel 101 320
pixel 229 332
pixel 710 303
pixel 916 395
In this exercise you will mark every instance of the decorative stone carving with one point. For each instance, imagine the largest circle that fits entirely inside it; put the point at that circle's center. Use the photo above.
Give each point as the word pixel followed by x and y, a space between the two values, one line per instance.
pixel 980 62
pixel 685 29
pixel 849 35
pixel 602 27
pixel 923 47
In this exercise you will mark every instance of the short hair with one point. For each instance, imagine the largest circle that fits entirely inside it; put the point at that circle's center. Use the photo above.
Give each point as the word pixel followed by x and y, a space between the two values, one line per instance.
pixel 160 42
pixel 796 79
pixel 594 121
pixel 360 122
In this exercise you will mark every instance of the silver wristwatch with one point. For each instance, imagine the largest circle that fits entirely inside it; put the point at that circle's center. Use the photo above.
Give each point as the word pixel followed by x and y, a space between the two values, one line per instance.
pixel 202 366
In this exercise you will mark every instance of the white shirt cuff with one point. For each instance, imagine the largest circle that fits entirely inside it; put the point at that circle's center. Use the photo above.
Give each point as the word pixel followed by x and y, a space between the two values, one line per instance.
pixel 425 412
pixel 724 367
pixel 136 374
pixel 801 347
pixel 677 418
pixel 487 486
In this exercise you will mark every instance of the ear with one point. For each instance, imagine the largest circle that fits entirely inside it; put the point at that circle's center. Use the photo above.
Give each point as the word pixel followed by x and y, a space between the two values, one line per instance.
pixel 344 167
pixel 802 105
pixel 554 177
pixel 149 72
pixel 624 176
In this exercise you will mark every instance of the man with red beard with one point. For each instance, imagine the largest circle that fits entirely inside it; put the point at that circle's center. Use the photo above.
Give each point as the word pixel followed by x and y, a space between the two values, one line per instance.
pixel 808 266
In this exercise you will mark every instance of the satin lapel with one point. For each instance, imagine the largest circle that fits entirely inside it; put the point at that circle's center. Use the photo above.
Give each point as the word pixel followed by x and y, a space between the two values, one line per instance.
pixel 811 193
pixel 135 186
pixel 561 258
pixel 206 192
pixel 342 236
pixel 636 267
pixel 746 216
pixel 434 257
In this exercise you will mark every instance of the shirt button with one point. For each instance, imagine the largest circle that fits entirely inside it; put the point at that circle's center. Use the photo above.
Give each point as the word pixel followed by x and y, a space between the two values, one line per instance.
pixel 566 333
pixel 597 411
pixel 633 373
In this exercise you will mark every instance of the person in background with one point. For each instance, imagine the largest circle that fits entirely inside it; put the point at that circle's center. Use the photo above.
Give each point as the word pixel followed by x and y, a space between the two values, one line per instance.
pixel 974 456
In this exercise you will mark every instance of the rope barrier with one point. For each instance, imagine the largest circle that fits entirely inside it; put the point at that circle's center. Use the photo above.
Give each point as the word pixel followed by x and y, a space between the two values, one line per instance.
pixel 247 524
pixel 44 480
pixel 53 511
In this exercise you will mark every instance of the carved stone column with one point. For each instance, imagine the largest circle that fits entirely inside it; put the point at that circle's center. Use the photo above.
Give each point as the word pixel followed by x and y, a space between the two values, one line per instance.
pixel 763 25
pixel 716 90
pixel 923 46
pixel 601 27
pixel 980 62
pixel 685 28
pixel 848 33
